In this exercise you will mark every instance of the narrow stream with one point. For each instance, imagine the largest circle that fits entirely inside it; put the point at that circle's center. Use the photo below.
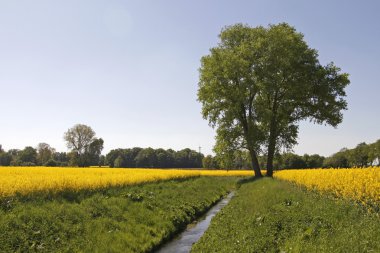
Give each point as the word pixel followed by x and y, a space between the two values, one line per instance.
pixel 184 241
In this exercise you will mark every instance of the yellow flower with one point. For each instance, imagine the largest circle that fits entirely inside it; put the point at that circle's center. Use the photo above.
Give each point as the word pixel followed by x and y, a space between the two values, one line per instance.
pixel 362 185
pixel 25 180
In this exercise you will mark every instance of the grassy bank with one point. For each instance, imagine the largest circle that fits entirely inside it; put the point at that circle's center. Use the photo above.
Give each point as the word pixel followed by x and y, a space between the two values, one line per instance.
pixel 116 219
pixel 274 216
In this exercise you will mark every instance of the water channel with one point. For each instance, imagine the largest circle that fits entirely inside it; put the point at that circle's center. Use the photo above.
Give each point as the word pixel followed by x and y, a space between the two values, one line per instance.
pixel 184 241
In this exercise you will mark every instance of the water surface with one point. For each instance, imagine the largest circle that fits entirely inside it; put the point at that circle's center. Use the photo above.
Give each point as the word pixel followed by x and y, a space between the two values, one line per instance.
pixel 184 241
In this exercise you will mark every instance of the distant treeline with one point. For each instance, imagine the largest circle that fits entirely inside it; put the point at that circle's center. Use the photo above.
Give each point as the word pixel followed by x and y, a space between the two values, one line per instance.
pixel 44 155
pixel 154 158
pixel 241 160
pixel 363 155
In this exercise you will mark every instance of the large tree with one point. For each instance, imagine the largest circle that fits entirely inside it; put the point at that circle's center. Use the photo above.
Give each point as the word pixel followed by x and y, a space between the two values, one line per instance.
pixel 259 83
pixel 83 143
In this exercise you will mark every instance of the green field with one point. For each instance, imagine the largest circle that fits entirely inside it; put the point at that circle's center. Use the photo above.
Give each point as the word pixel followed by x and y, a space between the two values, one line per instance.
pixel 117 219
pixel 266 215
pixel 273 216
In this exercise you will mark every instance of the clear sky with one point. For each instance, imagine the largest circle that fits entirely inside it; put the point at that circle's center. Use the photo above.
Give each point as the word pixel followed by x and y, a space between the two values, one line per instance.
pixel 129 69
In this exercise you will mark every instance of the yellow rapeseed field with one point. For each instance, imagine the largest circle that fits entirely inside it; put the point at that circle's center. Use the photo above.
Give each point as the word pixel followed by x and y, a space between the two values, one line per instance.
pixel 25 180
pixel 362 185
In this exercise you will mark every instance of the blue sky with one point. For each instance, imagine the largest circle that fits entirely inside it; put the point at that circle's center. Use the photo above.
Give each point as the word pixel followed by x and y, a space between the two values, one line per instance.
pixel 129 69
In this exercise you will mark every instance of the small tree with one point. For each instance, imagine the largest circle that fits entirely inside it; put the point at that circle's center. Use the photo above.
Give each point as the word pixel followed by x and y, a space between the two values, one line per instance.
pixel 119 162
pixel 94 152
pixel 81 140
pixel 44 153
pixel 207 162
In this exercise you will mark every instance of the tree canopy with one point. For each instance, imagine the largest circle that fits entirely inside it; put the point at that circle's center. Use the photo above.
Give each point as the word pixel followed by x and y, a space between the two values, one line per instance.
pixel 86 148
pixel 258 83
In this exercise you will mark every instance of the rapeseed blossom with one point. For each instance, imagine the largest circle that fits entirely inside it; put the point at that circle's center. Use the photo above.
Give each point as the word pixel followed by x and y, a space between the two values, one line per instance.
pixel 362 185
pixel 24 180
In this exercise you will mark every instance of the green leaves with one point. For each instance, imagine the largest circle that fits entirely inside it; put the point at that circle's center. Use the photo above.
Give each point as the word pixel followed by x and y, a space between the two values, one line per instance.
pixel 259 83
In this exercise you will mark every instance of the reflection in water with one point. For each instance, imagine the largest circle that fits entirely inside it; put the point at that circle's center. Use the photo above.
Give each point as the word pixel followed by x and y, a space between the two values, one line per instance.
pixel 183 242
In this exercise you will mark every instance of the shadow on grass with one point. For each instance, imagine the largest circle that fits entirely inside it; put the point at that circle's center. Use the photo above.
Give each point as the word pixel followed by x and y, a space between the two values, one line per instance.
pixel 242 181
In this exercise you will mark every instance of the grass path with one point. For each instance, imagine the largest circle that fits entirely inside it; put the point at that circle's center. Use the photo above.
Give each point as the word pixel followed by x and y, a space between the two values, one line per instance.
pixel 274 216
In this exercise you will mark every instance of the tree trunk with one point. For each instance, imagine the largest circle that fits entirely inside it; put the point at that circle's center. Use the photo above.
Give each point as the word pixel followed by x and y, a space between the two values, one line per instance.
pixel 252 152
pixel 272 137
pixel 271 150
pixel 272 143
pixel 255 163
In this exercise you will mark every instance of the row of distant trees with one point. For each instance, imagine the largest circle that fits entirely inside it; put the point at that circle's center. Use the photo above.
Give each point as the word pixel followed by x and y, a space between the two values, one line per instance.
pixel 242 160
pixel 45 155
pixel 85 150
pixel 154 158
pixel 27 156
pixel 363 155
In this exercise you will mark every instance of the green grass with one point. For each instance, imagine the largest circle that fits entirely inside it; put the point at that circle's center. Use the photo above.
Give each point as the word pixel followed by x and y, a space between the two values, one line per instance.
pixel 268 215
pixel 118 219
